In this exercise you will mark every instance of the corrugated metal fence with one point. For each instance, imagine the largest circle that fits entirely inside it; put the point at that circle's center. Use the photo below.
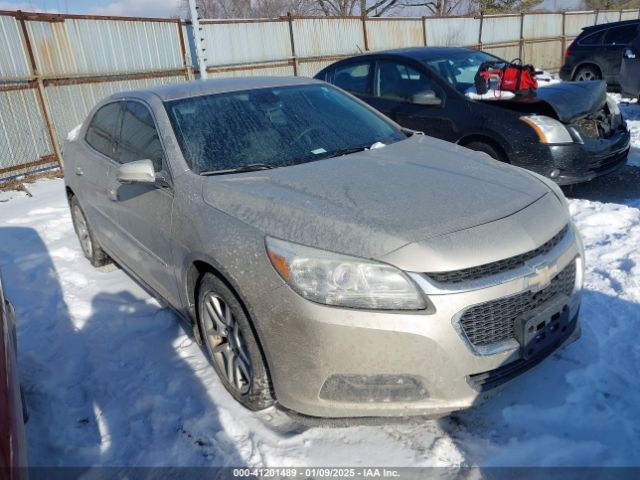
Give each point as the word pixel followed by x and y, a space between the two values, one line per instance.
pixel 54 68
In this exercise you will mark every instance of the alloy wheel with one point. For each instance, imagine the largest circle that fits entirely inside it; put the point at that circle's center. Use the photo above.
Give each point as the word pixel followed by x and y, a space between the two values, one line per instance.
pixel 586 76
pixel 226 344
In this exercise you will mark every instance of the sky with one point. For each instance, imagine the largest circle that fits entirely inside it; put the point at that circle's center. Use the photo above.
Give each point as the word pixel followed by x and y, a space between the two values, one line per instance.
pixel 134 8
pixel 159 8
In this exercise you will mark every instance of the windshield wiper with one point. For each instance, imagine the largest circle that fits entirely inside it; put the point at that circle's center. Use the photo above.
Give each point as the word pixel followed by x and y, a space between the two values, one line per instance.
pixel 252 167
pixel 346 151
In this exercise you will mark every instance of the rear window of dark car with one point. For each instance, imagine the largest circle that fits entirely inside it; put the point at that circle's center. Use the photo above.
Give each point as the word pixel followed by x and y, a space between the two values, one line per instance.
pixel 277 127
pixel 621 35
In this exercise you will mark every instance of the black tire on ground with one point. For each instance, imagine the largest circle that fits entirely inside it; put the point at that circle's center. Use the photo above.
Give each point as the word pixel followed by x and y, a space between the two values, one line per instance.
pixel 490 150
pixel 258 393
pixel 587 73
pixel 90 246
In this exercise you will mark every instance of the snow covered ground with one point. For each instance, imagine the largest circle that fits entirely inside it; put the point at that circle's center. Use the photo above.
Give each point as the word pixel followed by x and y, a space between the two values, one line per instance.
pixel 113 378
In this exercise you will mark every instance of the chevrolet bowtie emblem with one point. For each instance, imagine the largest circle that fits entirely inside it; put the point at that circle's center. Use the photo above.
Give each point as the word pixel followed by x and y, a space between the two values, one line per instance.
pixel 541 276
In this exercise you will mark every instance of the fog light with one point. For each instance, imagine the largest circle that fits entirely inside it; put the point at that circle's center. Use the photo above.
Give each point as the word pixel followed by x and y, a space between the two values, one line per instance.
pixel 554 173
pixel 373 388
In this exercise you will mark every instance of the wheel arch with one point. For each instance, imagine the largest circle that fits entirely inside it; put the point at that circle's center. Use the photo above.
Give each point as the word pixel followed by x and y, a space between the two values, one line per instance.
pixel 195 271
pixel 483 138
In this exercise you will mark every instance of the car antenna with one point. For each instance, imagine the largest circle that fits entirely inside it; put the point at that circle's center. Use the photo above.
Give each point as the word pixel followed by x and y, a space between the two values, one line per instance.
pixel 359 49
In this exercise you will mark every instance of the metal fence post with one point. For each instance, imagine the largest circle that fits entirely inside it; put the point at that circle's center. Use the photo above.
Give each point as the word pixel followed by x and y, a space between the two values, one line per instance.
pixel 293 44
pixel 424 30
pixel 188 72
pixel 564 38
pixel 480 31
pixel 521 41
pixel 46 114
pixel 364 32
pixel 197 40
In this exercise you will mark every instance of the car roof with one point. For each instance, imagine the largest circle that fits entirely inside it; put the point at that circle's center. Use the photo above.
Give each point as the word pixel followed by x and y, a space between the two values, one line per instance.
pixel 198 88
pixel 602 26
pixel 419 53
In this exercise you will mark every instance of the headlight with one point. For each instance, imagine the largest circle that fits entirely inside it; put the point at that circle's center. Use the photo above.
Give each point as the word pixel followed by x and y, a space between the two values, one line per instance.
pixel 549 130
pixel 335 279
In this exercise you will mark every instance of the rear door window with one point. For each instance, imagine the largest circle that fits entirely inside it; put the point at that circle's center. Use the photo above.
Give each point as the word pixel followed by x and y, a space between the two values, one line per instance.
pixel 621 35
pixel 139 139
pixel 354 78
pixel 102 132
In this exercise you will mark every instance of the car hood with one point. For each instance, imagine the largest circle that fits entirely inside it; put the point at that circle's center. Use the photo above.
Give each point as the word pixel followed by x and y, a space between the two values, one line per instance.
pixel 371 203
pixel 567 100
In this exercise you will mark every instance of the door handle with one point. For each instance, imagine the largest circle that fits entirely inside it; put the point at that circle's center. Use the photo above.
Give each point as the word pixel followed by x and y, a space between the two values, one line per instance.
pixel 79 171
pixel 112 193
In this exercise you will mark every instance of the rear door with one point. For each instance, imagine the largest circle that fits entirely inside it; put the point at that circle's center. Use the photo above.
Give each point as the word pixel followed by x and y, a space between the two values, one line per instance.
pixel 395 83
pixel 616 39
pixel 630 69
pixel 144 210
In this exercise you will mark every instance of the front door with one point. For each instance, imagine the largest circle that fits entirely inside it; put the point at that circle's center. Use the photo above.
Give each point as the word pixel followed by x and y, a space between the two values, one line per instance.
pixel 144 210
pixel 396 85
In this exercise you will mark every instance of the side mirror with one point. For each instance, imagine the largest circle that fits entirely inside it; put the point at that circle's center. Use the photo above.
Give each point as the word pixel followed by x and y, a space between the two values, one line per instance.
pixel 140 171
pixel 428 97
pixel 630 53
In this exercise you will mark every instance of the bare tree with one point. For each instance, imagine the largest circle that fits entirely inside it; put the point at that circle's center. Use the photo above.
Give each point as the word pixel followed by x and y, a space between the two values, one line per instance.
pixel 249 8
pixel 503 6
pixel 379 8
pixel 612 4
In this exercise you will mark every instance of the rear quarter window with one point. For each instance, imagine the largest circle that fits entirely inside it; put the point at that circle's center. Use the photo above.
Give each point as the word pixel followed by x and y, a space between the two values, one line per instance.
pixel 353 78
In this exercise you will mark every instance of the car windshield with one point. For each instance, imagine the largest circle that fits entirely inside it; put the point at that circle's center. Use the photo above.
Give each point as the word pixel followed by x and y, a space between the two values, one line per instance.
pixel 274 127
pixel 459 69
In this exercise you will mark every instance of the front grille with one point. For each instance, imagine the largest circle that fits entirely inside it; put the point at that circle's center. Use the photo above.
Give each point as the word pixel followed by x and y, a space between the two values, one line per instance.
pixel 495 268
pixel 487 380
pixel 494 321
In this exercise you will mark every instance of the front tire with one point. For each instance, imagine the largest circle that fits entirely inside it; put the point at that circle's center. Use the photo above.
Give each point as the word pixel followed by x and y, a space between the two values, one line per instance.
pixel 488 149
pixel 232 344
pixel 90 246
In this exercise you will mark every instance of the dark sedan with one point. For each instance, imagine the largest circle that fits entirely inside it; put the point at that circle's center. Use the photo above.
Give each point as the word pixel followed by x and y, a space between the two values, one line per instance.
pixel 13 453
pixel 569 132
pixel 596 54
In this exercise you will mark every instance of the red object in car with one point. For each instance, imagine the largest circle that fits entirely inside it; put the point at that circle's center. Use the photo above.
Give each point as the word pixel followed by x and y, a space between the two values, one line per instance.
pixel 13 452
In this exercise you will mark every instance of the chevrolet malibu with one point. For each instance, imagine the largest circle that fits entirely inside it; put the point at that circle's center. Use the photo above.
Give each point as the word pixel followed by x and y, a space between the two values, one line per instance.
pixel 332 263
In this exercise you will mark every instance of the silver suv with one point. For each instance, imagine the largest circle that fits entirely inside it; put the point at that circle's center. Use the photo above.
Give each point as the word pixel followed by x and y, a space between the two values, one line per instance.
pixel 331 261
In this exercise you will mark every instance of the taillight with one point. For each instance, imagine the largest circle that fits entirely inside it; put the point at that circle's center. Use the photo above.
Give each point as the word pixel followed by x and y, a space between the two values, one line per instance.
pixel 567 52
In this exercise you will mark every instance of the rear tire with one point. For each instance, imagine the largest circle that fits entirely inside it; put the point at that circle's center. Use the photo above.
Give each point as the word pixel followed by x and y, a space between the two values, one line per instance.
pixel 490 150
pixel 232 344
pixel 587 73
pixel 90 246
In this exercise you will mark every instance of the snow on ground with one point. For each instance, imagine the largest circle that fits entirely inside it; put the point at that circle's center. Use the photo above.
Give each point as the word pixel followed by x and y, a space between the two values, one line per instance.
pixel 113 378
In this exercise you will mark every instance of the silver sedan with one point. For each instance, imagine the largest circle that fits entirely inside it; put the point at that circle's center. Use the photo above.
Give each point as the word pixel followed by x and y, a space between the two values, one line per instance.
pixel 333 263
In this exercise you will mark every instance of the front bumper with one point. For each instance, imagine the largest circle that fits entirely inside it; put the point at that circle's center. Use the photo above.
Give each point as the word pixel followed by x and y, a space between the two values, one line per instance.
pixel 336 362
pixel 576 163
